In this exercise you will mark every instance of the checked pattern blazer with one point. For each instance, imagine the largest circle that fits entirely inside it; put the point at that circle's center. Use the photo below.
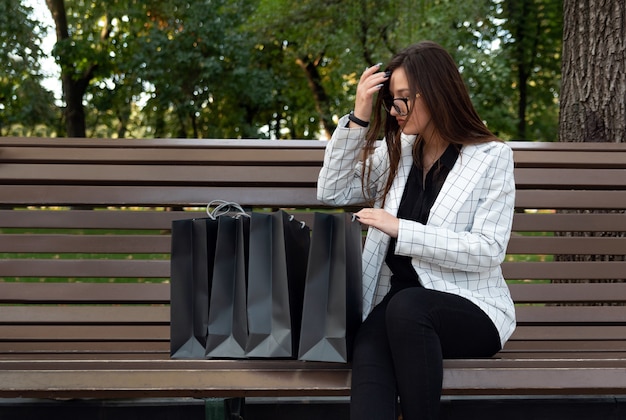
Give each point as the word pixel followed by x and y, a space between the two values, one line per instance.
pixel 462 245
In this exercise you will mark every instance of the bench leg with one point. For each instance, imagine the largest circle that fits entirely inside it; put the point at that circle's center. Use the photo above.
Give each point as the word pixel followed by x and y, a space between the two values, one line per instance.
pixel 224 408
pixel 235 408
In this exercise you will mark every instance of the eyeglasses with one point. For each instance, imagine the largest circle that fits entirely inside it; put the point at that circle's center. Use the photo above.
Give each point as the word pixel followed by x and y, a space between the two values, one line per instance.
pixel 400 105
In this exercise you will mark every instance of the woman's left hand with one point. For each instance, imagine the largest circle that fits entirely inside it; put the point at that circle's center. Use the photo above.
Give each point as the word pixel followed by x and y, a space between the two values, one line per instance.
pixel 381 220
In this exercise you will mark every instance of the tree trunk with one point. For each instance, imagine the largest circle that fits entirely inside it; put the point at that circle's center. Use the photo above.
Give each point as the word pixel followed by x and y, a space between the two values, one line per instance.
pixel 319 94
pixel 593 92
pixel 73 92
pixel 74 87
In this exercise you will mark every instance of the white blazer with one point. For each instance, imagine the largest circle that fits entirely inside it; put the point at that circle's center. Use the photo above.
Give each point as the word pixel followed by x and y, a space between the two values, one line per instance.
pixel 462 245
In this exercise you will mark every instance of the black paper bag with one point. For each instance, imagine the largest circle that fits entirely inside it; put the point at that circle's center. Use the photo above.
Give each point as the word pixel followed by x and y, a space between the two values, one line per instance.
pixel 191 267
pixel 227 322
pixel 332 299
pixel 279 247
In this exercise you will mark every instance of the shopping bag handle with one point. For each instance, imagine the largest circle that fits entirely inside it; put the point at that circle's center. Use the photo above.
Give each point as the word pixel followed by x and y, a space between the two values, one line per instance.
pixel 293 218
pixel 223 207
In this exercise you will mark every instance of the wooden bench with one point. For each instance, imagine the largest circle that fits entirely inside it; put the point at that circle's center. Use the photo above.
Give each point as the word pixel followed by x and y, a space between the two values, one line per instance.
pixel 84 269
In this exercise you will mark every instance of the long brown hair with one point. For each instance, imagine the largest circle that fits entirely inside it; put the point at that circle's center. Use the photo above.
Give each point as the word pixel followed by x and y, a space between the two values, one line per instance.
pixel 433 74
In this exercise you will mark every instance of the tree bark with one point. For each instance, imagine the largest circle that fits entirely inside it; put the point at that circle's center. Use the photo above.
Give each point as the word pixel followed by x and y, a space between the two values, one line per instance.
pixel 593 92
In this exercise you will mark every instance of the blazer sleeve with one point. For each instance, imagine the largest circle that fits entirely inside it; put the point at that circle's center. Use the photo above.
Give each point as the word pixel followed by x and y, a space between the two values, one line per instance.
pixel 339 181
pixel 478 235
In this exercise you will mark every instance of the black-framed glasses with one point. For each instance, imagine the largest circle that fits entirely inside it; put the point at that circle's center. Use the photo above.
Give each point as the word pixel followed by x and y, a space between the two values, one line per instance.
pixel 400 105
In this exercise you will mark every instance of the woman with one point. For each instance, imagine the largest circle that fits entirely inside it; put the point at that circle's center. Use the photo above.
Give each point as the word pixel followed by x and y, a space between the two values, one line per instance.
pixel 441 195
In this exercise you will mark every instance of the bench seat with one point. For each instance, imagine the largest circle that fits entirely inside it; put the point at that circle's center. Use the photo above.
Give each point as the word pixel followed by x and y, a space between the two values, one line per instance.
pixel 84 268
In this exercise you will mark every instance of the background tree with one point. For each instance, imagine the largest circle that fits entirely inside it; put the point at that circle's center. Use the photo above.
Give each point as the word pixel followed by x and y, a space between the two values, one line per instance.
pixel 593 96
pixel 198 69
pixel 306 37
pixel 76 73
pixel 286 69
pixel 21 74
pixel 332 43
pixel 85 51
pixel 532 46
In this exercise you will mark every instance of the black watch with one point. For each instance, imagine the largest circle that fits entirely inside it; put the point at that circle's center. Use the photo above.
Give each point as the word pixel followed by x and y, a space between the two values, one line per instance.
pixel 358 121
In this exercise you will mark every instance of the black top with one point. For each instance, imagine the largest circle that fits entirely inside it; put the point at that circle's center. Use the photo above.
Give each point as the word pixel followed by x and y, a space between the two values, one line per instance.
pixel 417 200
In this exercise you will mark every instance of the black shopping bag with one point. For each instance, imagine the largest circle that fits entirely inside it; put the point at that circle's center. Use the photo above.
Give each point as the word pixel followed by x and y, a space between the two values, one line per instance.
pixel 227 322
pixel 191 267
pixel 278 253
pixel 332 298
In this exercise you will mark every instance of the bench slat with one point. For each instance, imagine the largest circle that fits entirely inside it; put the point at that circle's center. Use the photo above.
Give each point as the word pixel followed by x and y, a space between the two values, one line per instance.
pixel 297 197
pixel 159 293
pixel 529 293
pixel 85 333
pixel 568 159
pixel 110 244
pixel 566 245
pixel 554 270
pixel 90 349
pixel 89 219
pixel 493 375
pixel 278 175
pixel 128 244
pixel 552 178
pixel 164 155
pixel 267 197
pixel 160 315
pixel 561 222
pixel 158 174
pixel 527 315
pixel 578 347
pixel 595 270
pixel 43 315
pixel 100 293
pixel 572 315
pixel 161 333
pixel 570 200
pixel 591 148
pixel 181 196
pixel 85 268
pixel 566 332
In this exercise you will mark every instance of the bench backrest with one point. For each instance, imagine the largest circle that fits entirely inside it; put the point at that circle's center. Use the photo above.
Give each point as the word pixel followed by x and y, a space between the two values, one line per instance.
pixel 85 236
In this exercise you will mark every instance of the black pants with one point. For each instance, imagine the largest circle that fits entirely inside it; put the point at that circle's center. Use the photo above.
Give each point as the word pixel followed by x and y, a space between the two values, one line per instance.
pixel 400 347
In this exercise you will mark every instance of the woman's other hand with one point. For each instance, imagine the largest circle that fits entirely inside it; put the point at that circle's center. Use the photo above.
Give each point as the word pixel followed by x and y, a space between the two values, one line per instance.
pixel 380 219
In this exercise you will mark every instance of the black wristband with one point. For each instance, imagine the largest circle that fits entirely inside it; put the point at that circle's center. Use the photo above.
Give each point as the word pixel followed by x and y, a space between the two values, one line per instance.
pixel 358 121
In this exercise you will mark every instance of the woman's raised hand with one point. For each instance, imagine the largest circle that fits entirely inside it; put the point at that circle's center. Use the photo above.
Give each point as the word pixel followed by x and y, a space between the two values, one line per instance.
pixel 370 82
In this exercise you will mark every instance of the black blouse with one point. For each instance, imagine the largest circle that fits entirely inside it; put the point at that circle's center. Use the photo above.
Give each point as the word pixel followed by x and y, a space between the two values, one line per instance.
pixel 416 202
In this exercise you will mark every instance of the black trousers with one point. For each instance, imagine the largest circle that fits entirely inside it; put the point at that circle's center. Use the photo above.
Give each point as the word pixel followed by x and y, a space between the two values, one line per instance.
pixel 400 347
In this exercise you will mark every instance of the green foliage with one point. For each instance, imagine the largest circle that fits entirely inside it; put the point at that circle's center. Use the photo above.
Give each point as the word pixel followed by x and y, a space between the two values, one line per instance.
pixel 26 108
pixel 281 68
pixel 532 46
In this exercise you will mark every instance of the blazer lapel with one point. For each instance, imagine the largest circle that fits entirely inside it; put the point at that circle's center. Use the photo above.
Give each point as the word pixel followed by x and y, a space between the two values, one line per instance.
pixel 461 181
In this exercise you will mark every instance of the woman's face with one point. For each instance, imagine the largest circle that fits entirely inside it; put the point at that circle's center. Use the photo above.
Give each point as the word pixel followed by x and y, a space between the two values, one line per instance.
pixel 418 119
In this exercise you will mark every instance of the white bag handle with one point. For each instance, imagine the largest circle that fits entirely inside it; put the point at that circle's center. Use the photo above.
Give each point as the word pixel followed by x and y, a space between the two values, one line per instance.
pixel 224 207
pixel 292 218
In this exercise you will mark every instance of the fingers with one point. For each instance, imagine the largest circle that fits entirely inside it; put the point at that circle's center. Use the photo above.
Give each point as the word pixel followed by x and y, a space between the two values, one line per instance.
pixel 373 79
pixel 380 219
pixel 369 71
pixel 370 83
pixel 368 216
